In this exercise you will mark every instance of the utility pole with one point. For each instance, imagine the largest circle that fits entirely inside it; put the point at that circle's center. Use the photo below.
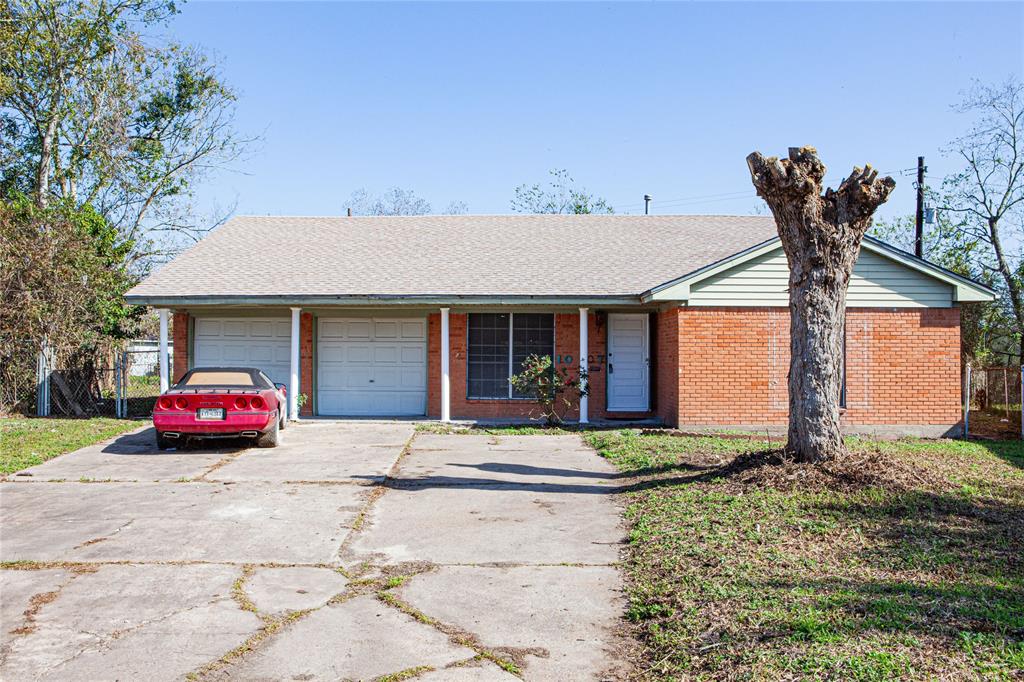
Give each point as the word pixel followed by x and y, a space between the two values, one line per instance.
pixel 919 216
pixel 647 204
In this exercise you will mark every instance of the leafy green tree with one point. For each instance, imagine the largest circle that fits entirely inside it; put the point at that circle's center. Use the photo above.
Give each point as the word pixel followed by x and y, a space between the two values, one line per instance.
pixel 559 195
pixel 94 111
pixel 62 281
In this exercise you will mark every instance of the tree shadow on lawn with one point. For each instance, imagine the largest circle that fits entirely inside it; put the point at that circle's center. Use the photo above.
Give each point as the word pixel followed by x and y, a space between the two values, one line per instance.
pixel 1010 451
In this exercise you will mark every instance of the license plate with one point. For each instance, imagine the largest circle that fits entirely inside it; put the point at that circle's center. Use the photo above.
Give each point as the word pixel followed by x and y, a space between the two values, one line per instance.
pixel 210 413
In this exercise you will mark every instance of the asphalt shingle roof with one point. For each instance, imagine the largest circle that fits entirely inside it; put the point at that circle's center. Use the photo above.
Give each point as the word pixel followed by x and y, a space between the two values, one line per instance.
pixel 502 255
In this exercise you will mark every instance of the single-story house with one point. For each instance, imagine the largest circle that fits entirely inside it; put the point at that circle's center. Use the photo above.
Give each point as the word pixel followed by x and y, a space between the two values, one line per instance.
pixel 681 319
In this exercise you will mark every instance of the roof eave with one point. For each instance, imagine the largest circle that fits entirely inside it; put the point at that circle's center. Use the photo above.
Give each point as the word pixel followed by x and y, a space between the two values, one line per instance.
pixel 419 300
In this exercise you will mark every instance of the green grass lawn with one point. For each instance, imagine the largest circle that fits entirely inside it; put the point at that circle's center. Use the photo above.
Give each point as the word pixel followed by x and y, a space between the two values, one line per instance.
pixel 907 562
pixel 27 442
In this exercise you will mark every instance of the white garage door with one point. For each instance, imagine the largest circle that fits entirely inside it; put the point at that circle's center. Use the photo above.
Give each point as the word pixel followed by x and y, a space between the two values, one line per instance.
pixel 372 366
pixel 264 343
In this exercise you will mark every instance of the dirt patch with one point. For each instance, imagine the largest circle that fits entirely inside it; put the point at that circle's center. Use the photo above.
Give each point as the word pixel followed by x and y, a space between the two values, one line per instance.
pixel 859 469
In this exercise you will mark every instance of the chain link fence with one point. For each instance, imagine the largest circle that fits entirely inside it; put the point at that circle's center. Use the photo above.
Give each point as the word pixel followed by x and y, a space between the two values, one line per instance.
pixel 125 385
pixel 994 402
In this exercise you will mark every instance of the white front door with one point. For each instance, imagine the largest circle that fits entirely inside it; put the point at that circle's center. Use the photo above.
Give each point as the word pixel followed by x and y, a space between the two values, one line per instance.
pixel 628 367
pixel 263 343
pixel 371 366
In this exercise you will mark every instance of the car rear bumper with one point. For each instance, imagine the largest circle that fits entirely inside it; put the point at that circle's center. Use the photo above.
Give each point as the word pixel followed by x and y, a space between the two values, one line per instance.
pixel 233 425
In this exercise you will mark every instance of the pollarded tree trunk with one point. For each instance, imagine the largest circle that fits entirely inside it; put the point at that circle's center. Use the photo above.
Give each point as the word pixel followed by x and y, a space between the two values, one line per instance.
pixel 821 235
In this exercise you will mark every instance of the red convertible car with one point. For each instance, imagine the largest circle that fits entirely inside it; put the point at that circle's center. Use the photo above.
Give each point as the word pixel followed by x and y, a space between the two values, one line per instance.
pixel 220 402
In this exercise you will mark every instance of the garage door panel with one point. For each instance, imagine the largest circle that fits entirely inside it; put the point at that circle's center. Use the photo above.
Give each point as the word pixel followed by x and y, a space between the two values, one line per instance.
pixel 413 355
pixel 357 329
pixel 413 330
pixel 357 354
pixel 371 366
pixel 413 378
pixel 385 330
pixel 207 327
pixel 234 328
pixel 261 329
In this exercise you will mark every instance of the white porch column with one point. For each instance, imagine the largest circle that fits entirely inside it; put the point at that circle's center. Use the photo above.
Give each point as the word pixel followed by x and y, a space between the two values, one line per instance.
pixel 165 371
pixel 584 347
pixel 293 378
pixel 446 389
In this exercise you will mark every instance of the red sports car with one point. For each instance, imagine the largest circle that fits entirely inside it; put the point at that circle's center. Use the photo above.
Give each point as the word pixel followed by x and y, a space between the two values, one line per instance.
pixel 220 402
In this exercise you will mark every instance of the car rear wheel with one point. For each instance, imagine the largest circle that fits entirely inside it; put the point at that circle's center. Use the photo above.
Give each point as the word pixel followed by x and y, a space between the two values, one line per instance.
pixel 163 442
pixel 269 438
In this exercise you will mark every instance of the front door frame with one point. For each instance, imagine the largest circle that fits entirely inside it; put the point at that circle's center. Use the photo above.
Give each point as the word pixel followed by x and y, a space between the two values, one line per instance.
pixel 645 318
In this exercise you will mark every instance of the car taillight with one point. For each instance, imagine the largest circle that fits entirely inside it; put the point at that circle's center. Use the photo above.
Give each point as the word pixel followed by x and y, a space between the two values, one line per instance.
pixel 166 403
pixel 257 403
pixel 181 403
pixel 240 403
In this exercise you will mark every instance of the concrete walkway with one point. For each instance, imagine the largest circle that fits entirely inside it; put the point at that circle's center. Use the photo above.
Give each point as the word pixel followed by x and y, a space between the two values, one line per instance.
pixel 353 551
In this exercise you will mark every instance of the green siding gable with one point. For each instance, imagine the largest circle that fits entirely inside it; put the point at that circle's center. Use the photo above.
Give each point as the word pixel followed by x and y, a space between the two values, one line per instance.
pixel 877 282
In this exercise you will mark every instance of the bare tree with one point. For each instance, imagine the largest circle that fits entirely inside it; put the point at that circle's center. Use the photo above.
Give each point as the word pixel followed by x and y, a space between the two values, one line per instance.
pixel 988 195
pixel 821 235
pixel 560 195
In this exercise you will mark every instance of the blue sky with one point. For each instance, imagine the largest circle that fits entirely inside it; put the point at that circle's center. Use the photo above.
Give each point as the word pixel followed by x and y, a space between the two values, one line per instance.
pixel 465 101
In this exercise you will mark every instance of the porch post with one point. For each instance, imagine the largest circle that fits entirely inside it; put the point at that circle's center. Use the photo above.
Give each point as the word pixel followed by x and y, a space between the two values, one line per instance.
pixel 293 379
pixel 584 348
pixel 164 369
pixel 446 413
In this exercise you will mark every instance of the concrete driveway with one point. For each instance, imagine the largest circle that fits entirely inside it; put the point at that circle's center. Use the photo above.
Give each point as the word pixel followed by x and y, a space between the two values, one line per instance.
pixel 353 551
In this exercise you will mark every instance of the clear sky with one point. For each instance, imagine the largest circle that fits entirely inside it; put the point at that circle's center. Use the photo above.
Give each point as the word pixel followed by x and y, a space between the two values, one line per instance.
pixel 464 101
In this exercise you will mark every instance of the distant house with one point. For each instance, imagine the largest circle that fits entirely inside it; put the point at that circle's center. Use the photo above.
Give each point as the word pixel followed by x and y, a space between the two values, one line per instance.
pixel 144 357
pixel 678 318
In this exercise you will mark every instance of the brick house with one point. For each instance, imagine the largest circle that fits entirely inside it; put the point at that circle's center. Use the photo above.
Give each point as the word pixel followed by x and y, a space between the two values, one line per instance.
pixel 681 319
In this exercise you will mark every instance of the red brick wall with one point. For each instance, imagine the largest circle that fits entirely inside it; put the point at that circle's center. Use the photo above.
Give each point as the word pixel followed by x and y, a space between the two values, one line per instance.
pixel 903 366
pixel 306 361
pixel 567 343
pixel 666 366
pixel 179 336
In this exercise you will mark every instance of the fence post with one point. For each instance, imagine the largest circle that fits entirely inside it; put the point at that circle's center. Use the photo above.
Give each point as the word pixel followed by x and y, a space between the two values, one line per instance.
pixel 967 406
pixel 117 386
pixel 125 383
pixel 43 381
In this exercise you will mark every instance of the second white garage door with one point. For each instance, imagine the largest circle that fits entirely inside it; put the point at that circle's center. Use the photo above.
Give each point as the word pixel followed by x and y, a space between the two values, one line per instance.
pixel 371 366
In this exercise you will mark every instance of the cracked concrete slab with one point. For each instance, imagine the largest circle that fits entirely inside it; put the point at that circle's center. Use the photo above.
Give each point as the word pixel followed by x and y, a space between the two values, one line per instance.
pixel 132 622
pixel 323 452
pixel 129 457
pixel 293 588
pixel 565 615
pixel 245 523
pixel 437 460
pixel 483 671
pixel 359 639
pixel 17 589
pixel 491 524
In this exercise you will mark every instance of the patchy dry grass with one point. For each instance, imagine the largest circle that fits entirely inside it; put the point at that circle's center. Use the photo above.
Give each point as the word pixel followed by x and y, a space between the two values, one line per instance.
pixel 27 442
pixel 510 430
pixel 905 562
